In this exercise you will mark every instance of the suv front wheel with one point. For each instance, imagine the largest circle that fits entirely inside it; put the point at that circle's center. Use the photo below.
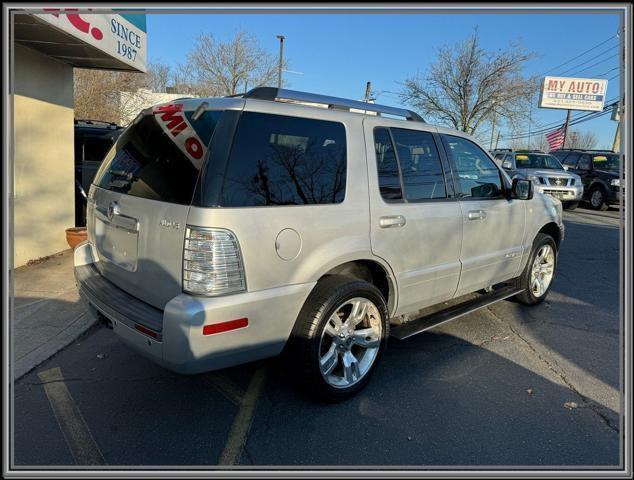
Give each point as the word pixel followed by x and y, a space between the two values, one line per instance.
pixel 339 337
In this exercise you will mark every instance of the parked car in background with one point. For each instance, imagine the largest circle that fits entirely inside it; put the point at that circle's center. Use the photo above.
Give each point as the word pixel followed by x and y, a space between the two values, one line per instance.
pixel 599 171
pixel 498 154
pixel 226 230
pixel 546 172
pixel 93 139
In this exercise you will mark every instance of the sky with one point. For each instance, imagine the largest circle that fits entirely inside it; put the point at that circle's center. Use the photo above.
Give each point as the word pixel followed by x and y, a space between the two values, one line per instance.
pixel 336 54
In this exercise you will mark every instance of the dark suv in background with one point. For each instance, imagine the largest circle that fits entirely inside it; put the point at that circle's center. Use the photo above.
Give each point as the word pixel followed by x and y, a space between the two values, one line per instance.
pixel 93 139
pixel 599 171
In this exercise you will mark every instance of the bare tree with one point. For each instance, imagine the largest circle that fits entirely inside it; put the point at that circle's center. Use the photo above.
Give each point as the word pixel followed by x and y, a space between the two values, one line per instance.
pixel 96 92
pixel 159 76
pixel 576 139
pixel 467 86
pixel 227 68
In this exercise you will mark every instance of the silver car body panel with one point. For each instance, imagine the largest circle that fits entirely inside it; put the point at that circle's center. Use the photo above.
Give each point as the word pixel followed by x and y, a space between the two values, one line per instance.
pixel 439 252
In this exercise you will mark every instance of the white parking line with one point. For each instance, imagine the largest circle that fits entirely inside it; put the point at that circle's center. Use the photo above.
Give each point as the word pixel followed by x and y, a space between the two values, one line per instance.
pixel 80 441
pixel 242 423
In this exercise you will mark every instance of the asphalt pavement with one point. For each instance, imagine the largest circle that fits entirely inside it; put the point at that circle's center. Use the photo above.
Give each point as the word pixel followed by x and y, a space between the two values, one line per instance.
pixel 507 385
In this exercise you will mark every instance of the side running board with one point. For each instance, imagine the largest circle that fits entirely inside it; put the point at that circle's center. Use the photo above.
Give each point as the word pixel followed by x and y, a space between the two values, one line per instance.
pixel 413 327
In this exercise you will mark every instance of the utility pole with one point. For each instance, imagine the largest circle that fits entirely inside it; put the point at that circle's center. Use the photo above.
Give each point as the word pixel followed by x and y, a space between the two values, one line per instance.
pixel 497 140
pixel 368 92
pixel 492 131
pixel 566 129
pixel 279 68
pixel 616 145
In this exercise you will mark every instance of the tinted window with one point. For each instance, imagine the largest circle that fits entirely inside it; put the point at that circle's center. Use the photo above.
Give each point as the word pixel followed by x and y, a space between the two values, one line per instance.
pixel 387 167
pixel 607 161
pixel 159 156
pixel 420 165
pixel 478 177
pixel 532 160
pixel 93 147
pixel 280 160
pixel 584 162
pixel 570 160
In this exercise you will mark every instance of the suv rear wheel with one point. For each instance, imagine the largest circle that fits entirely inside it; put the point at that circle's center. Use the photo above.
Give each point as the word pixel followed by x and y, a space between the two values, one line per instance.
pixel 538 275
pixel 339 336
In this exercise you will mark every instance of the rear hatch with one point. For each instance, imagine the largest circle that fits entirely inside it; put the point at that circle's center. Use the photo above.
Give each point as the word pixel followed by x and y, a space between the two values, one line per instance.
pixel 141 197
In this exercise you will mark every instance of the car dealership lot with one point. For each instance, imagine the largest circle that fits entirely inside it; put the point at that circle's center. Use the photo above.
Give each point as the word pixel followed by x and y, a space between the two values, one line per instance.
pixel 507 385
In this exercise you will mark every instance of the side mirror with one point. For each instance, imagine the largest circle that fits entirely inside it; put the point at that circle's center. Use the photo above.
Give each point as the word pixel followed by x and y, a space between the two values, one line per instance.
pixel 522 189
pixel 566 167
pixel 507 165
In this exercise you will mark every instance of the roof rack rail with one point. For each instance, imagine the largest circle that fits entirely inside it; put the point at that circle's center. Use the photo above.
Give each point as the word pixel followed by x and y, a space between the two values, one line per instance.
pixel 282 94
pixel 588 150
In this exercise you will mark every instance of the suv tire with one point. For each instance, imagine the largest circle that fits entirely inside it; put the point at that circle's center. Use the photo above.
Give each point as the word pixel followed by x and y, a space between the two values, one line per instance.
pixel 539 273
pixel 596 198
pixel 326 350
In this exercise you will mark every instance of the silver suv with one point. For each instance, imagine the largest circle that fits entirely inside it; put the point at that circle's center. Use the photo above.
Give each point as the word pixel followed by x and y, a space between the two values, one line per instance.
pixel 226 230
pixel 547 174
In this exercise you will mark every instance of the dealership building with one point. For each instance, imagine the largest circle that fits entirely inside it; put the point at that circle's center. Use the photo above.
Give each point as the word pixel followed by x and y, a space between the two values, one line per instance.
pixel 46 48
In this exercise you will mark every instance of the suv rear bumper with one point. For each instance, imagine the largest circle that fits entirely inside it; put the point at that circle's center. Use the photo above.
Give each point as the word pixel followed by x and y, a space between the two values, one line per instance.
pixel 174 337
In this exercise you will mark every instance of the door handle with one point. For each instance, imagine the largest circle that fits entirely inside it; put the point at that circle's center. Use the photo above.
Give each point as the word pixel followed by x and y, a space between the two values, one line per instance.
pixel 477 215
pixel 392 221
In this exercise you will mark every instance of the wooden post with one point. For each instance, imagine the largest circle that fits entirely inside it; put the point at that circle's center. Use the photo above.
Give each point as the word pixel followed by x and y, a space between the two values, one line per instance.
pixel 566 129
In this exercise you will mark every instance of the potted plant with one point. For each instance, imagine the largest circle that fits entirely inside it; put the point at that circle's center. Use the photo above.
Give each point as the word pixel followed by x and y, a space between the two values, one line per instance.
pixel 76 235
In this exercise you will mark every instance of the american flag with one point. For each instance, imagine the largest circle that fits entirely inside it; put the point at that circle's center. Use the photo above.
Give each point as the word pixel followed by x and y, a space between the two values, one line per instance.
pixel 555 139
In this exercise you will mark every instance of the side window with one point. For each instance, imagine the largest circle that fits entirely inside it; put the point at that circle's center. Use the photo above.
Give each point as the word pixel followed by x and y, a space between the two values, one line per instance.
pixel 387 166
pixel 570 160
pixel 420 165
pixel 282 160
pixel 585 162
pixel 478 177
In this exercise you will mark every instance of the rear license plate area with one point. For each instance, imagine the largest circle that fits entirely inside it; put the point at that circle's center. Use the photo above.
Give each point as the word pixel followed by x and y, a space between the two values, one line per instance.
pixel 117 245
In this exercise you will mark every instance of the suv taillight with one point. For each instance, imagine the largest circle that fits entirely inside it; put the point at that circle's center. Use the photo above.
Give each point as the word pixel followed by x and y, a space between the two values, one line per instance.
pixel 212 264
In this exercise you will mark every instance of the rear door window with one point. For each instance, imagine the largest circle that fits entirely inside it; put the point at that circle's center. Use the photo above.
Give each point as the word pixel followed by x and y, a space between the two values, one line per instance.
pixel 160 155
pixel 387 166
pixel 408 160
pixel 419 161
pixel 282 160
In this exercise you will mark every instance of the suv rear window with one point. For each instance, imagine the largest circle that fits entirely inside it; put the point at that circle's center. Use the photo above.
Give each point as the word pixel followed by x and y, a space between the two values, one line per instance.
pixel 160 155
pixel 282 160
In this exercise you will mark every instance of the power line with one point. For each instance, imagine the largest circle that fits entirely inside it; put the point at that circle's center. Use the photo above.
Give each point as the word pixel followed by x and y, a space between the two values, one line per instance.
pixel 580 55
pixel 595 64
pixel 547 126
pixel 584 118
pixel 589 60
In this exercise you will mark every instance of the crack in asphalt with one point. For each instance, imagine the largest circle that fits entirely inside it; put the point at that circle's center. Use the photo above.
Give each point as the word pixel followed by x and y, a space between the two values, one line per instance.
pixel 586 402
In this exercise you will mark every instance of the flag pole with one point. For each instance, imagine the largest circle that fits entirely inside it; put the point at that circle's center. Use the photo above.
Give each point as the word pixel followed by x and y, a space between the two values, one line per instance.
pixel 566 129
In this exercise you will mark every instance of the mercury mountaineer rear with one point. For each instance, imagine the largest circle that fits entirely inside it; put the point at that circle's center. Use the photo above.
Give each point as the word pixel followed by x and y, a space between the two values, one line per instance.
pixel 226 230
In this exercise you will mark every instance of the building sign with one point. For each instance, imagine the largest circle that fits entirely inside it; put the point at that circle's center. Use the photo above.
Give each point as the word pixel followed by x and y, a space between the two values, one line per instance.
pixel 110 33
pixel 573 93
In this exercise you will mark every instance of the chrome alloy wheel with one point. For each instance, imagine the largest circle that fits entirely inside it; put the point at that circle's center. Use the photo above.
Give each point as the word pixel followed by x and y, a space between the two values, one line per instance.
pixel 350 342
pixel 543 270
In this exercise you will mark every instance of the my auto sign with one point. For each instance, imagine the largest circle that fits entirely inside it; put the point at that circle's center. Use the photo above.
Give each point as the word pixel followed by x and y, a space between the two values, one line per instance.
pixel 573 93
pixel 110 33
